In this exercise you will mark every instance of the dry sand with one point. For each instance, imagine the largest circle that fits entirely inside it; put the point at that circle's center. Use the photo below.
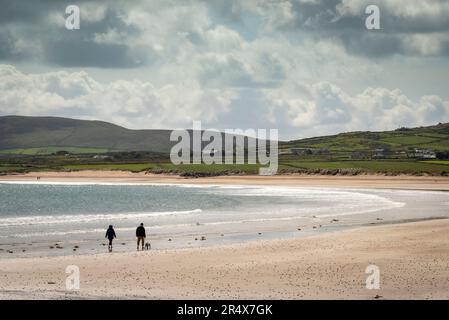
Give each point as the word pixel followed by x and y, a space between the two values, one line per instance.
pixel 413 259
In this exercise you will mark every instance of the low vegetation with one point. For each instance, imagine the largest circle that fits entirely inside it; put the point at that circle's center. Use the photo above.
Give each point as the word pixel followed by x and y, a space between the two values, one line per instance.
pixel 402 139
pixel 343 154
pixel 290 167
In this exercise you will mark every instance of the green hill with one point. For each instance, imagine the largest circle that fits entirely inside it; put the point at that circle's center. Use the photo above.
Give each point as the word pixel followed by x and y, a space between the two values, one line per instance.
pixel 28 135
pixel 432 137
pixel 36 144
pixel 388 152
pixel 47 135
pixel 43 135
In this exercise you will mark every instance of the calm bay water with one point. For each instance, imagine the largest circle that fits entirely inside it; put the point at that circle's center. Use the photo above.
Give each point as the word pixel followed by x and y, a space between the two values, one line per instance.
pixel 40 212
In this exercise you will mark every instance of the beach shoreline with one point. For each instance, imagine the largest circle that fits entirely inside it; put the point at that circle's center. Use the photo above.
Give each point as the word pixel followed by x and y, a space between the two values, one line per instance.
pixel 407 182
pixel 386 203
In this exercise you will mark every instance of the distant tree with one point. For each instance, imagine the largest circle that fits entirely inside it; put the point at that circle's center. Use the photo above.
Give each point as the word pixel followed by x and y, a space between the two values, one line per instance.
pixel 402 129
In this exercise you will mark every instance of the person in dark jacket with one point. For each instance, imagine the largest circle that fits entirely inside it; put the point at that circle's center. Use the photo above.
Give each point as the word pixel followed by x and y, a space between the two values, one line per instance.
pixel 141 235
pixel 110 234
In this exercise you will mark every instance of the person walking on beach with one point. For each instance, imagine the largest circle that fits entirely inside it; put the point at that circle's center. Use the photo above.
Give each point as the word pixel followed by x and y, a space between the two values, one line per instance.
pixel 141 235
pixel 110 234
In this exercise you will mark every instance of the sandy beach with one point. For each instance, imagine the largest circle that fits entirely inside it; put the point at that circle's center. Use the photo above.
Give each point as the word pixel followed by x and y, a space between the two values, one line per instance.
pixel 413 260
pixel 364 181
pixel 412 257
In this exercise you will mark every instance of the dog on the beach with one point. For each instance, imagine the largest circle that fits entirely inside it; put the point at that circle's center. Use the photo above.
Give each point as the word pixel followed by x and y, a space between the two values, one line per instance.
pixel 147 246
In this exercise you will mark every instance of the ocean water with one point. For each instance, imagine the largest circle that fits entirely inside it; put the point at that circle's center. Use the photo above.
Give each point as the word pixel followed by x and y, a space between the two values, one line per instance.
pixel 42 213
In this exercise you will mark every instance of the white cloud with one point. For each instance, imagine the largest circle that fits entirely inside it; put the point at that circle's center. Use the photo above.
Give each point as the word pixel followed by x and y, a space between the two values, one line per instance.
pixel 131 103
pixel 426 44
pixel 297 110
pixel 323 108
pixel 93 12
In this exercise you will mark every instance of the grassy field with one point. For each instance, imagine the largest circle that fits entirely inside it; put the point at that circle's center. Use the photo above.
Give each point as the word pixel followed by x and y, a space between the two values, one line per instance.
pixel 139 167
pixel 442 162
pixel 433 137
pixel 7 169
pixel 346 153
pixel 374 166
pixel 312 167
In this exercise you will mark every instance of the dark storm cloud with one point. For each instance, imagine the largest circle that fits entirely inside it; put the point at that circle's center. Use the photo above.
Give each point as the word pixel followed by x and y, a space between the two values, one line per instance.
pixel 21 11
pixel 77 48
pixel 374 45
pixel 87 54
pixel 327 15
pixel 28 32
pixel 34 12
pixel 28 22
pixel 344 21
pixel 327 18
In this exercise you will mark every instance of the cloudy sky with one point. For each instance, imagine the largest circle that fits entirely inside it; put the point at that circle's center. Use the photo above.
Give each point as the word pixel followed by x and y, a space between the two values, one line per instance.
pixel 306 67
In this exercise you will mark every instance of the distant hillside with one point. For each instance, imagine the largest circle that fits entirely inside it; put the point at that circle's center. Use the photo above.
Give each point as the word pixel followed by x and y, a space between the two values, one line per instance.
pixel 432 137
pixel 34 135
pixel 17 132
pixel 22 139
pixel 45 135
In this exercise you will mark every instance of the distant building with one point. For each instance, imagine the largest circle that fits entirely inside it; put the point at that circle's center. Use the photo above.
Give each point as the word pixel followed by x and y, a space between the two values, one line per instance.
pixel 62 153
pixel 308 151
pixel 101 156
pixel 423 154
pixel 301 151
pixel 358 155
pixel 379 153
